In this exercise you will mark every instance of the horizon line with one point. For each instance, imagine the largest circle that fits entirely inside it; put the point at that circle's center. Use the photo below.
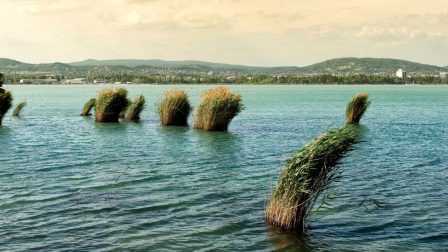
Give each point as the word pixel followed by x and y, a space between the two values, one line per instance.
pixel 224 63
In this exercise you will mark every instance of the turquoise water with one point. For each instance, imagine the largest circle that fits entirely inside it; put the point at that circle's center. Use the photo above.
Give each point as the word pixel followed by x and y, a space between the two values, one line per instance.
pixel 68 183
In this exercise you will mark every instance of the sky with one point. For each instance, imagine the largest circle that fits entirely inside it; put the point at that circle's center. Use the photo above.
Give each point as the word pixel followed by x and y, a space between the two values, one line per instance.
pixel 249 32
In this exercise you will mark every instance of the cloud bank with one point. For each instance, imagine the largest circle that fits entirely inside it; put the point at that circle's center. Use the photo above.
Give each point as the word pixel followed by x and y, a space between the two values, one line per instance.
pixel 254 32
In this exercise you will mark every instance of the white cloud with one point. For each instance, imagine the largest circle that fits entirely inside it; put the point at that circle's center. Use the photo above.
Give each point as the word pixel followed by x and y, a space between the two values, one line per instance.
pixel 132 18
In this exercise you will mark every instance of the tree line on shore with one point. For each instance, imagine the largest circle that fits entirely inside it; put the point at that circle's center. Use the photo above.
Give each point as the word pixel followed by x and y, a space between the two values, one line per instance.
pixel 229 78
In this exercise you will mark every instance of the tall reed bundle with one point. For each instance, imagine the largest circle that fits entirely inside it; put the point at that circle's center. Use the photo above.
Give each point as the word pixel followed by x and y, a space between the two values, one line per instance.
pixel 308 173
pixel 5 103
pixel 109 103
pixel 19 108
pixel 356 108
pixel 135 108
pixel 174 108
pixel 217 109
pixel 88 107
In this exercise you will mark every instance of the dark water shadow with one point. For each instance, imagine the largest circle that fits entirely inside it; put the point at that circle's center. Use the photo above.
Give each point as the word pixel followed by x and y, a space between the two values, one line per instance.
pixel 173 130
pixel 290 241
pixel 5 129
pixel 362 129
pixel 110 126
pixel 178 136
pixel 219 142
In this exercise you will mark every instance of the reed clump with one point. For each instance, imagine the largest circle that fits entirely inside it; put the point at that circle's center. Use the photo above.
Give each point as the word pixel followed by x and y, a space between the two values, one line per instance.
pixel 356 108
pixel 174 108
pixel 19 108
pixel 135 108
pixel 88 107
pixel 307 174
pixel 110 103
pixel 217 109
pixel 5 103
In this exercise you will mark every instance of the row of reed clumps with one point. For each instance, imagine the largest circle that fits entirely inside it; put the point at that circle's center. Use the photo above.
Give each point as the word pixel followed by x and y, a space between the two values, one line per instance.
pixel 112 104
pixel 312 169
pixel 215 112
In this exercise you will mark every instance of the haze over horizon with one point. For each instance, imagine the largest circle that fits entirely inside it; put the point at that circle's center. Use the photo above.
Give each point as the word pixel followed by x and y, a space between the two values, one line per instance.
pixel 246 32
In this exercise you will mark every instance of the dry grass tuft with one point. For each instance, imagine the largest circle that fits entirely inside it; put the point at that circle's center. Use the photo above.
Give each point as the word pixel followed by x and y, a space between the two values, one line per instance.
pixel 135 108
pixel 19 108
pixel 356 108
pixel 174 108
pixel 110 103
pixel 5 103
pixel 308 173
pixel 88 107
pixel 217 109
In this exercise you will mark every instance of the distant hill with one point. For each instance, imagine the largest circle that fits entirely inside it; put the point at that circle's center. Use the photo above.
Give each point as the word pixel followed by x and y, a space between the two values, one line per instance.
pixel 9 63
pixel 369 65
pixel 163 63
pixel 340 65
pixel 4 63
pixel 333 66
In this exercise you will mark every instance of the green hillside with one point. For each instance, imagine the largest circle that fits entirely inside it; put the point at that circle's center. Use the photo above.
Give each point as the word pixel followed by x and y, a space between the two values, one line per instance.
pixel 369 66
pixel 333 66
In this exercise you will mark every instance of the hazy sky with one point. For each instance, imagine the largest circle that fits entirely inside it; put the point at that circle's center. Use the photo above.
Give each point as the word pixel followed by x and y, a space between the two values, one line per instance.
pixel 253 32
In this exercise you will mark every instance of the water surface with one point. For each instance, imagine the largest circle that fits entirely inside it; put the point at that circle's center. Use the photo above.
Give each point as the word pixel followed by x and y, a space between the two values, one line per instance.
pixel 68 183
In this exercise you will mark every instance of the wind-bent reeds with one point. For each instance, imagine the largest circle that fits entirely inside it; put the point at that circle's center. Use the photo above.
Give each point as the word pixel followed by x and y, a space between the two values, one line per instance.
pixel 174 108
pixel 109 103
pixel 88 107
pixel 308 173
pixel 217 109
pixel 135 108
pixel 356 108
pixel 19 108
pixel 5 103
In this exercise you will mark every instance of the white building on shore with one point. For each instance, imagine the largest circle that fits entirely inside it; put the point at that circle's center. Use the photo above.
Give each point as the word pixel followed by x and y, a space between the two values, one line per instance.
pixel 401 74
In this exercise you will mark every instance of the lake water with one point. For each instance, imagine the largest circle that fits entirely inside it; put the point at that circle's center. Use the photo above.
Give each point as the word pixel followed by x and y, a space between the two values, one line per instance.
pixel 68 183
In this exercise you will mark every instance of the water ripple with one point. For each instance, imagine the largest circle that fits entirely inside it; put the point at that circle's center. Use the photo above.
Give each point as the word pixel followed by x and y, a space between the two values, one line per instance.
pixel 68 183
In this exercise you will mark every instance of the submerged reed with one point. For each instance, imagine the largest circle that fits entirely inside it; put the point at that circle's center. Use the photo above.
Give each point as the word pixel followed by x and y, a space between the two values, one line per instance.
pixel 135 108
pixel 174 108
pixel 217 109
pixel 307 174
pixel 5 103
pixel 19 108
pixel 356 108
pixel 109 103
pixel 88 107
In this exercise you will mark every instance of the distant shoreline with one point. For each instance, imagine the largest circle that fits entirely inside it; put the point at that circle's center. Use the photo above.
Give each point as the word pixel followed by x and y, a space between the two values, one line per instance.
pixel 232 84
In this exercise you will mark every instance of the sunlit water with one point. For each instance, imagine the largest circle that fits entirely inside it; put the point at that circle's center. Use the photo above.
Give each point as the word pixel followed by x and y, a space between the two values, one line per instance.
pixel 68 183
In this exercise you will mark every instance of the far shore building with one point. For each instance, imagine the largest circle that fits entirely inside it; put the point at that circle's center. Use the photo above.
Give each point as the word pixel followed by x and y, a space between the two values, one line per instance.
pixel 401 74
pixel 76 81
pixel 38 81
pixel 443 75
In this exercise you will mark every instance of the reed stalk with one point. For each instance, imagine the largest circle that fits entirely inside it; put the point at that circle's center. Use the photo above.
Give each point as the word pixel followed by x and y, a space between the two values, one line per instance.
pixel 356 108
pixel 217 109
pixel 88 107
pixel 5 103
pixel 307 174
pixel 19 108
pixel 110 103
pixel 135 108
pixel 174 108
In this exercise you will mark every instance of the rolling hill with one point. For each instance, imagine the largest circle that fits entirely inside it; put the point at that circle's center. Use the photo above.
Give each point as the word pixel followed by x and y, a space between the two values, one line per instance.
pixel 339 65
pixel 333 66
pixel 370 66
